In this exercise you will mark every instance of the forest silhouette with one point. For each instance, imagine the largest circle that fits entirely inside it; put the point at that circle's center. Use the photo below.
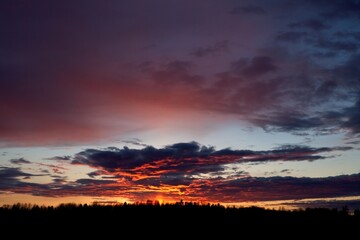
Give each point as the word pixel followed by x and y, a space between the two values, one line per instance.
pixel 178 216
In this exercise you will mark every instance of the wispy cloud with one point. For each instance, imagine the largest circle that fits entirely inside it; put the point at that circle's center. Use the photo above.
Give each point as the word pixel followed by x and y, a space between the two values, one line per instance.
pixel 19 161
pixel 248 9
pixel 60 158
pixel 214 49
pixel 312 24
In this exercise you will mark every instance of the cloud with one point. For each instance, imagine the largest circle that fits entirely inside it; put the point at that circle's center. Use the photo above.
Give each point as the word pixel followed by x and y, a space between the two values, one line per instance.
pixel 282 188
pixel 353 121
pixel 349 72
pixel 257 66
pixel 10 178
pixel 60 158
pixel 52 113
pixel 354 35
pixel 215 189
pixel 56 169
pixel 91 182
pixel 287 171
pixel 12 173
pixel 260 90
pixel 356 142
pixel 337 45
pixel 325 55
pixel 340 9
pixel 59 180
pixel 328 203
pixel 326 88
pixel 96 173
pixel 348 117
pixel 188 171
pixel 248 9
pixel 214 49
pixel 19 161
pixel 176 73
pixel 136 142
pixel 183 161
pixel 292 37
pixel 149 160
pixel 312 24
pixel 288 122
pixel 106 81
pixel 52 166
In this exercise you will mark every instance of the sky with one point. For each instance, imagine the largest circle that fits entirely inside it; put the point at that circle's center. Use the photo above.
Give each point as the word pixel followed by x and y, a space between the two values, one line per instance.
pixel 224 101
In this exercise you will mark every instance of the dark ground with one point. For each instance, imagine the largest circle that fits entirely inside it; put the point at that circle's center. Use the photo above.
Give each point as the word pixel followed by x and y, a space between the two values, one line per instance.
pixel 180 220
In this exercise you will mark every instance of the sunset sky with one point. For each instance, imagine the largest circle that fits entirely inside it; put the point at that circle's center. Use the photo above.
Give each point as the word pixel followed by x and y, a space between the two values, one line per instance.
pixel 229 101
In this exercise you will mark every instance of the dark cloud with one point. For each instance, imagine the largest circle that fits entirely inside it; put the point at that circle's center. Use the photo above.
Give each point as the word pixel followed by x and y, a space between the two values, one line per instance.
pixel 334 45
pixel 349 72
pixel 257 66
pixel 353 121
pixel 176 73
pixel 136 142
pixel 90 182
pixel 248 9
pixel 348 117
pixel 330 204
pixel 292 37
pixel 340 9
pixel 149 160
pixel 19 161
pixel 326 88
pixel 60 158
pixel 288 122
pixel 166 179
pixel 12 173
pixel 59 180
pixel 214 49
pixel 312 24
pixel 96 173
pixel 189 171
pixel 10 178
pixel 183 161
pixel 354 142
pixel 216 189
pixel 131 66
pixel 285 188
pixel 325 55
pixel 354 35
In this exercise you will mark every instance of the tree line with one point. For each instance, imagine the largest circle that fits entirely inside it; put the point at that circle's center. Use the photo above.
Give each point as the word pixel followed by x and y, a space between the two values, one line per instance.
pixel 189 215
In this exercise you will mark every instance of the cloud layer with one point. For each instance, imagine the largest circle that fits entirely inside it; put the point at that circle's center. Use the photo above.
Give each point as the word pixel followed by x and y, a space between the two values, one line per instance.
pixel 186 160
pixel 186 171
pixel 214 190
pixel 92 78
